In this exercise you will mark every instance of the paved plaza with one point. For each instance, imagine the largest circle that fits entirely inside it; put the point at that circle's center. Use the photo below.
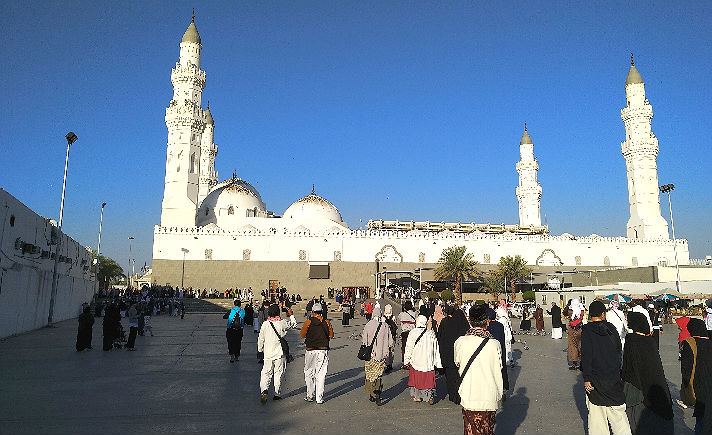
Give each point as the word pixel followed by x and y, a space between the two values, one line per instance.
pixel 181 381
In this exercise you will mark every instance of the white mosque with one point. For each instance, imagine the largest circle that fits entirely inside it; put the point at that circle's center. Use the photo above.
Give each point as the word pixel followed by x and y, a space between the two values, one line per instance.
pixel 221 234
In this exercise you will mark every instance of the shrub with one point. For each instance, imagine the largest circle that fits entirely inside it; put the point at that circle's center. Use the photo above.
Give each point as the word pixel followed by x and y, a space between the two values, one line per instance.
pixel 529 295
pixel 480 302
pixel 447 295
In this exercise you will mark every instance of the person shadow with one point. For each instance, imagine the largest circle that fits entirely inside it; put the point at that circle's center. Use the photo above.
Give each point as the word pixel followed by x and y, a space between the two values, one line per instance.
pixel 331 378
pixel 514 412
pixel 579 394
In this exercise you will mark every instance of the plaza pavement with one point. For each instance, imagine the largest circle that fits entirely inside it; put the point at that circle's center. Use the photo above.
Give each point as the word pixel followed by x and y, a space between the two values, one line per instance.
pixel 181 381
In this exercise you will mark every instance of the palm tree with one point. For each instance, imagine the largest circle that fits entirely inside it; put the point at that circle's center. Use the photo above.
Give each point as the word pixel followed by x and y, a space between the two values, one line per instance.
pixel 456 263
pixel 513 269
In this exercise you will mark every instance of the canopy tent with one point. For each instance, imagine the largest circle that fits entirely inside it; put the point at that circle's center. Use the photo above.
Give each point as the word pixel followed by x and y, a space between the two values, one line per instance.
pixel 618 297
pixel 666 297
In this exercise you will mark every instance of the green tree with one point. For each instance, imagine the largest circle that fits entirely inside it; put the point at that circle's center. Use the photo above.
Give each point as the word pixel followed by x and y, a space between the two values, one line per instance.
pixel 513 269
pixel 494 283
pixel 455 263
pixel 432 295
pixel 109 270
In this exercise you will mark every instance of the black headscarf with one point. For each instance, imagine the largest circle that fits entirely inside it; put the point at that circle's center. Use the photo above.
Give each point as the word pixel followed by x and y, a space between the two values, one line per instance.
pixel 643 368
pixel 697 328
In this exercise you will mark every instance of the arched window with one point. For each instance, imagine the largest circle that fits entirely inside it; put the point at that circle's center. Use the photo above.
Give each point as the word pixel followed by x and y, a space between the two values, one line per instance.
pixel 207 209
pixel 230 210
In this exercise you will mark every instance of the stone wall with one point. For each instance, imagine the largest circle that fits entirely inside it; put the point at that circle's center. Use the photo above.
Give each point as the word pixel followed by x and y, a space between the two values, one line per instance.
pixel 26 269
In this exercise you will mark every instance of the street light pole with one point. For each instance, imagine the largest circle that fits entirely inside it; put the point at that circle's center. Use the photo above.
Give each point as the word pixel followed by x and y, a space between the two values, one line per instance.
pixel 98 247
pixel 128 269
pixel 667 188
pixel 182 274
pixel 71 138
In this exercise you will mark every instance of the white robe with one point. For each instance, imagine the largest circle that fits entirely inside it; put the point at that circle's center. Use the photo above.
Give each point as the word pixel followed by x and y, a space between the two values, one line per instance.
pixel 424 357
pixel 504 320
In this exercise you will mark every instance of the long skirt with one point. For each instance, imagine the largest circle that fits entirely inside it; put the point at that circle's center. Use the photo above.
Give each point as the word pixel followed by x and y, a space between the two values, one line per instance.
pixel 574 343
pixel 452 380
pixel 374 381
pixel 478 422
pixel 422 383
pixel 525 325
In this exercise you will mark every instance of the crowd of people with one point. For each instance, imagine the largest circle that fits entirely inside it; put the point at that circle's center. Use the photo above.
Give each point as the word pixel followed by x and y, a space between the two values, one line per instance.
pixel 617 351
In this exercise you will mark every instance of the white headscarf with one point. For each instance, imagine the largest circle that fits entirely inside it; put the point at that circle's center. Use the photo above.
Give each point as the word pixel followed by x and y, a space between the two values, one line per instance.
pixel 421 322
pixel 576 308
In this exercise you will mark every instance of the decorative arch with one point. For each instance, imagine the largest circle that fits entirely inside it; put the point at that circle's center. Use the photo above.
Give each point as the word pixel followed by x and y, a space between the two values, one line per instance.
pixel 548 258
pixel 389 254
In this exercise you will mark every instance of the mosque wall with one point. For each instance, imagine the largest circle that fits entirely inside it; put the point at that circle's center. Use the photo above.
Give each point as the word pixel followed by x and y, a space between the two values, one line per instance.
pixel 26 268
pixel 224 259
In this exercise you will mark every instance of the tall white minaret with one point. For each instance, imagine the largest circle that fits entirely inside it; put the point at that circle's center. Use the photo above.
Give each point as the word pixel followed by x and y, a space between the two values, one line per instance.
pixel 185 121
pixel 640 150
pixel 529 189
pixel 208 151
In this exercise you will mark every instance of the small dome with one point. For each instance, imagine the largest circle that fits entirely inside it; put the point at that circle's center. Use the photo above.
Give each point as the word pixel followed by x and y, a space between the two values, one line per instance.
pixel 526 139
pixel 191 34
pixel 209 116
pixel 633 76
pixel 229 200
pixel 312 206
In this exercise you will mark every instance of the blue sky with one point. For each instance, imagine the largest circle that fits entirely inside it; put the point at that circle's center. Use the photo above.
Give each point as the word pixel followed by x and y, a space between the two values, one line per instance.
pixel 394 110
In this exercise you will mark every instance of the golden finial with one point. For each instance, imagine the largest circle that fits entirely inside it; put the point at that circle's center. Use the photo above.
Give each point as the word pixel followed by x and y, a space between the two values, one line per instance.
pixel 632 63
pixel 312 189
pixel 192 20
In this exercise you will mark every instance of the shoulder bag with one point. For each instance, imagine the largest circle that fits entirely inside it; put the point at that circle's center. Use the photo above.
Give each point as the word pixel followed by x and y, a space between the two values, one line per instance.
pixel 283 342
pixel 467 367
pixel 687 392
pixel 364 352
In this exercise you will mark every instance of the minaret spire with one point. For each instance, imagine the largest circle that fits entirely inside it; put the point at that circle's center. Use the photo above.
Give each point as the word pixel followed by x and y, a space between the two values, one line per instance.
pixel 312 189
pixel 632 62
pixel 192 19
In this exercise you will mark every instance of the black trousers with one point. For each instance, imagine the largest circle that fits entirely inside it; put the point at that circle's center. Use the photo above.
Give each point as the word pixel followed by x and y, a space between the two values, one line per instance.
pixel 132 337
pixel 234 341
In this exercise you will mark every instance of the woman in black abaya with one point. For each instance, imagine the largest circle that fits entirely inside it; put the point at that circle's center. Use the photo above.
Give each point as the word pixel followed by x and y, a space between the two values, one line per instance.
pixel 648 402
pixel 452 327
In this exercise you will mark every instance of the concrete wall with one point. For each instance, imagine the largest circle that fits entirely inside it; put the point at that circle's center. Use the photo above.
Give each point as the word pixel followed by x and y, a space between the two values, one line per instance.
pixel 294 275
pixel 26 267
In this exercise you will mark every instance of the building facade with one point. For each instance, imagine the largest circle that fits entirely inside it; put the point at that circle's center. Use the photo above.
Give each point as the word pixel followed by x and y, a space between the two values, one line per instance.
pixel 221 234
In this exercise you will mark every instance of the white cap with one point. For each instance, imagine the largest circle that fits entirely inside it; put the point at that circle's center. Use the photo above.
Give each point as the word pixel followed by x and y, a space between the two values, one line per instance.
pixel 316 307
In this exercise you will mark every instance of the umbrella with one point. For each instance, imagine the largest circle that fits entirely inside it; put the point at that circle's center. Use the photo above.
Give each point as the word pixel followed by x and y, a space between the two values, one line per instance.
pixel 666 297
pixel 618 297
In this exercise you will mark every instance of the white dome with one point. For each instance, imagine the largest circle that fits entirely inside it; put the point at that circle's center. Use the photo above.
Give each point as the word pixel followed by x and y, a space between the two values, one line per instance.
pixel 231 200
pixel 312 207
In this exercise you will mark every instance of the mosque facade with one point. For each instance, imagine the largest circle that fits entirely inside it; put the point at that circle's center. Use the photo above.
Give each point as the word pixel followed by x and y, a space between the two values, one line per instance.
pixel 220 234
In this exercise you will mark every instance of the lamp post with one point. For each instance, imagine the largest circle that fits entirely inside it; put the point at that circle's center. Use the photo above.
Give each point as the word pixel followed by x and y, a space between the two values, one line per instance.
pixel 182 274
pixel 98 247
pixel 667 188
pixel 128 269
pixel 71 138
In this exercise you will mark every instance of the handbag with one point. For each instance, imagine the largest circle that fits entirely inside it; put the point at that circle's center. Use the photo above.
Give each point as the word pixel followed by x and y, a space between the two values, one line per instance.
pixel 687 392
pixel 364 352
pixel 467 367
pixel 283 342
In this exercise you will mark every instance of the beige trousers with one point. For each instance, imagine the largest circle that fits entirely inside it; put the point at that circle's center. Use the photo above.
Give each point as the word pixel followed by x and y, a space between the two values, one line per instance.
pixel 599 417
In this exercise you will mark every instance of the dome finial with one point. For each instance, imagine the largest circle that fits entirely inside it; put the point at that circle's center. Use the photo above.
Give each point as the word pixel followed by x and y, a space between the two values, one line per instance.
pixel 192 19
pixel 312 189
pixel 632 62
pixel 525 125
pixel 209 109
pixel 234 175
